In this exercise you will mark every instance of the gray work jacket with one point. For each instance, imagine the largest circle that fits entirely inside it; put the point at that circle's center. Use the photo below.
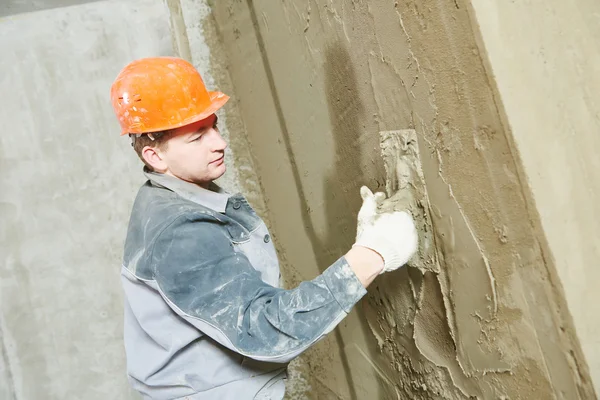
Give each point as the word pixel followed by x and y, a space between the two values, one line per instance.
pixel 204 315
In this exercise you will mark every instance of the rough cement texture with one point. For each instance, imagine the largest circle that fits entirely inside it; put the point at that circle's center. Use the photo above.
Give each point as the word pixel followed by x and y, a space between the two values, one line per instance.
pixel 317 82
pixel 65 150
pixel 554 76
pixel 11 7
pixel 68 181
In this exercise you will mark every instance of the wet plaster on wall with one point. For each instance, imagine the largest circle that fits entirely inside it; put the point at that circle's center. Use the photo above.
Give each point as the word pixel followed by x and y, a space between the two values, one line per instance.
pixel 317 82
pixel 477 164
pixel 274 163
pixel 556 81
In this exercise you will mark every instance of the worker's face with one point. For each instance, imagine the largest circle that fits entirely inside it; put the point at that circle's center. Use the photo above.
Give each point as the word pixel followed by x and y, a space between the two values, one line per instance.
pixel 196 152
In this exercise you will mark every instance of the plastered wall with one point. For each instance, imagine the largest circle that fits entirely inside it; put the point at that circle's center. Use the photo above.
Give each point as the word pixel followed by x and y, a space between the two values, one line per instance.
pixel 317 81
pixel 553 75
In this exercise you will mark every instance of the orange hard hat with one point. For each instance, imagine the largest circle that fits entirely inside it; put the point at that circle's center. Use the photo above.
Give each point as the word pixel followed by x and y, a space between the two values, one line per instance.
pixel 161 93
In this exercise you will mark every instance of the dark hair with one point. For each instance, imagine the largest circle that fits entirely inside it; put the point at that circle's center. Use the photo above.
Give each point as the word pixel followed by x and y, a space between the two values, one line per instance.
pixel 153 139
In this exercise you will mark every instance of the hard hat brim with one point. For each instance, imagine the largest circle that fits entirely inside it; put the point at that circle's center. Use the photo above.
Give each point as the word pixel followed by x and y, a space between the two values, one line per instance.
pixel 217 99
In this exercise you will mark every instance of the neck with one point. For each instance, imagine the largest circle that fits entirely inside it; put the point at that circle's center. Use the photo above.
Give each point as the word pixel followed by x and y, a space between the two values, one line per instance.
pixel 205 185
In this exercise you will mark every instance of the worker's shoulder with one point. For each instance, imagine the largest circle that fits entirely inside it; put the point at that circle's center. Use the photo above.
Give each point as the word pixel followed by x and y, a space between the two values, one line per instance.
pixel 159 212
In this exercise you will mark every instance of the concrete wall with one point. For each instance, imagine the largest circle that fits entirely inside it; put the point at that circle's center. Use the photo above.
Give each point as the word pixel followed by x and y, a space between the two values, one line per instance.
pixel 317 82
pixel 549 86
pixel 12 7
pixel 68 182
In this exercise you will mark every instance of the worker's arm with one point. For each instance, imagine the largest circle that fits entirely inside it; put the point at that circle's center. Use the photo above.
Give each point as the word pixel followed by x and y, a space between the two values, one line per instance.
pixel 216 289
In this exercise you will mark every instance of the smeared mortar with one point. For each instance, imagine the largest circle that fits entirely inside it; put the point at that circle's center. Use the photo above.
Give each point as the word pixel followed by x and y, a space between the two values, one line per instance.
pixel 406 191
pixel 485 325
pixel 426 327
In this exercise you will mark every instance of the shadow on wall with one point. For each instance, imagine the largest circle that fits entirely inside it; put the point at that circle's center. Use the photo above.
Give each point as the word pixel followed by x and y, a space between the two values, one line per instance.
pixel 342 198
pixel 341 186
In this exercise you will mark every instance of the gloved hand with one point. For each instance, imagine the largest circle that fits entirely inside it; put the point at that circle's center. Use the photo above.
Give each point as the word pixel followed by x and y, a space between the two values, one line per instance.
pixel 392 235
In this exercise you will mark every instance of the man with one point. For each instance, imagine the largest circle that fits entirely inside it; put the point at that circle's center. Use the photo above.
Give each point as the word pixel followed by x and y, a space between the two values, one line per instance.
pixel 204 315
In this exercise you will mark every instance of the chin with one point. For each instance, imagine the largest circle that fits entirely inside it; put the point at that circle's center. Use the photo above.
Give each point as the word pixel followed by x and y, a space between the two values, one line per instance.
pixel 219 172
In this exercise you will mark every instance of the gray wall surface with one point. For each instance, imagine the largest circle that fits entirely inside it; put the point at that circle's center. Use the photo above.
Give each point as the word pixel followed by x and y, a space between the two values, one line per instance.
pixel 10 7
pixel 67 183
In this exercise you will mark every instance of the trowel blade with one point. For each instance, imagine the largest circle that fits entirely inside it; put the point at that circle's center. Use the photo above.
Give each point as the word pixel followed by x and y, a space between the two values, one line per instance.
pixel 406 190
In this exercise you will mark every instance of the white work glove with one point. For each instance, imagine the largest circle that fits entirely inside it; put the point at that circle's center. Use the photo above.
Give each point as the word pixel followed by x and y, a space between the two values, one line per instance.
pixel 392 235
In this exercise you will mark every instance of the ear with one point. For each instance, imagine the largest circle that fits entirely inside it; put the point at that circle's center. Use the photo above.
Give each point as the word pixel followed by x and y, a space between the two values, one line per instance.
pixel 155 158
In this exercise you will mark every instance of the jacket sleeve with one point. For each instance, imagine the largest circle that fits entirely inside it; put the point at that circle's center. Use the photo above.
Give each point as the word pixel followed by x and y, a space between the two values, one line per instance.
pixel 215 288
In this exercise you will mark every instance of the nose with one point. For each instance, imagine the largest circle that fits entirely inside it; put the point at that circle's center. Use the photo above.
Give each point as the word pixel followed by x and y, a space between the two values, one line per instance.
pixel 217 141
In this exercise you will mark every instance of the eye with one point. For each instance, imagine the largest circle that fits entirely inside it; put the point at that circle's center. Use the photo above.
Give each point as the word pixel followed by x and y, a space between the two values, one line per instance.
pixel 195 138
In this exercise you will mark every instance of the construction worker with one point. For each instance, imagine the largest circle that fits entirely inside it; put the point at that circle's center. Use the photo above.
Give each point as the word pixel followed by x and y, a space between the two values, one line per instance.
pixel 205 317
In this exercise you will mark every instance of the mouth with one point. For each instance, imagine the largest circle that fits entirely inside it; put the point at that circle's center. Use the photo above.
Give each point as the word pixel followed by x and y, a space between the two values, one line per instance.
pixel 218 160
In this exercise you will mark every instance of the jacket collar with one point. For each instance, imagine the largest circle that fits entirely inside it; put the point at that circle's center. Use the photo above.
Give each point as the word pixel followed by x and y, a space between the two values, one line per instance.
pixel 214 198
